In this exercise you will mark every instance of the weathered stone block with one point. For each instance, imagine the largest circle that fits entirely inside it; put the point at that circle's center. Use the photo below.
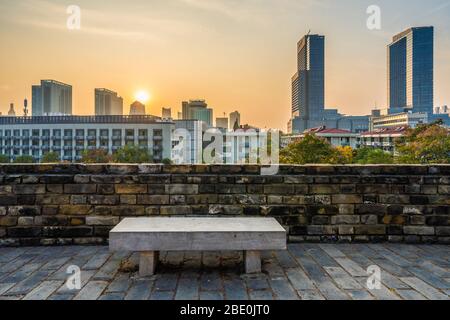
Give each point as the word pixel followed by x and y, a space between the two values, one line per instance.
pixel 24 232
pixel 25 221
pixel 369 219
pixel 102 221
pixel 370 230
pixel 128 199
pixel 443 231
pixel 444 189
pixel 324 189
pixel 8 200
pixel 82 179
pixel 176 210
pixel 105 189
pixel 347 199
pixel 80 188
pixel 153 200
pixel 75 210
pixel 230 189
pixel 8 221
pixel 419 230
pixel 127 211
pixel 131 188
pixel 103 200
pixel 342 219
pixel 78 199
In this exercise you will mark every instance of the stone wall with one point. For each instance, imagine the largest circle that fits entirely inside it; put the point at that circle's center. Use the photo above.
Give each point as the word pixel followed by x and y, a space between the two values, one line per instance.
pixel 79 204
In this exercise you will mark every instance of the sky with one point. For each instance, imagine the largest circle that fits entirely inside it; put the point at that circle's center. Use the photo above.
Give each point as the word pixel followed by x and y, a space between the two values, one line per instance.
pixel 236 54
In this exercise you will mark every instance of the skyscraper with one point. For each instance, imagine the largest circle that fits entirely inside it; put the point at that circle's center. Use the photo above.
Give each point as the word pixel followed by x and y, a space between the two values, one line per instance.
pixel 137 109
pixel 197 110
pixel 308 83
pixel 235 119
pixel 222 123
pixel 51 98
pixel 108 103
pixel 166 113
pixel 410 71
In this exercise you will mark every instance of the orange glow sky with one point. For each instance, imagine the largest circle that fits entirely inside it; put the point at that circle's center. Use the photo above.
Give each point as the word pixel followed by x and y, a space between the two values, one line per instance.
pixel 236 54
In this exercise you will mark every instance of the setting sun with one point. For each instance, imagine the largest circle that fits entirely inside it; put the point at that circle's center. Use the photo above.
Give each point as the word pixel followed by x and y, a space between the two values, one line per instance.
pixel 142 96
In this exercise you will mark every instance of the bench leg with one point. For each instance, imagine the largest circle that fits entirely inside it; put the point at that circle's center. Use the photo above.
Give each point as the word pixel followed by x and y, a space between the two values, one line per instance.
pixel 147 263
pixel 252 262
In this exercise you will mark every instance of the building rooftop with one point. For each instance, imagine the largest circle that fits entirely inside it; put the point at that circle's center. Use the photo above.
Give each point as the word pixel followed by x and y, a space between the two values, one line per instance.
pixel 324 129
pixel 80 119
pixel 386 131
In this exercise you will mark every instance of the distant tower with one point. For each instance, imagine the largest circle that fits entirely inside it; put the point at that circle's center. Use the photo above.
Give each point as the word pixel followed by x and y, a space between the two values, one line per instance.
pixel 166 113
pixel 235 120
pixel 137 109
pixel 25 108
pixel 11 111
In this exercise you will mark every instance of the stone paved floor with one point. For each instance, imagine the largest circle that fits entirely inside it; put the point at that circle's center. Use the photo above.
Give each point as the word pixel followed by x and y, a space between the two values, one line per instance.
pixel 306 271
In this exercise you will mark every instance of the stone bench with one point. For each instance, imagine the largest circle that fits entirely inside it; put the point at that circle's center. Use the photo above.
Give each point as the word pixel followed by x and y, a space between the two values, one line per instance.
pixel 149 236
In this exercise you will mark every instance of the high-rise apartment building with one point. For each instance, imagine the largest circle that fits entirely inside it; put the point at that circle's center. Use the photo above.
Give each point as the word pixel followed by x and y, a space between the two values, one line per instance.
pixel 137 109
pixel 410 71
pixel 108 103
pixel 222 123
pixel 51 98
pixel 166 113
pixel 235 120
pixel 197 110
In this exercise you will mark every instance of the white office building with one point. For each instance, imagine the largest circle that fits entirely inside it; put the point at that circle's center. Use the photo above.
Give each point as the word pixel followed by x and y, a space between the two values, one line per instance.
pixel 69 136
pixel 51 98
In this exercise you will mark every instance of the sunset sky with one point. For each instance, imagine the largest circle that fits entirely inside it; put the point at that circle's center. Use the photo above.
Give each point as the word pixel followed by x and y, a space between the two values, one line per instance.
pixel 236 54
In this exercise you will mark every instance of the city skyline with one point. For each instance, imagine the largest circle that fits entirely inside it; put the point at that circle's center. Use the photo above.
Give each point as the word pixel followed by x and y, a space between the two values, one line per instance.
pixel 232 66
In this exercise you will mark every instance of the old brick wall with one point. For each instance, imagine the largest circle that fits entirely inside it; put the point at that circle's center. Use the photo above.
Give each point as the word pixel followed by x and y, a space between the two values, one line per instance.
pixel 79 204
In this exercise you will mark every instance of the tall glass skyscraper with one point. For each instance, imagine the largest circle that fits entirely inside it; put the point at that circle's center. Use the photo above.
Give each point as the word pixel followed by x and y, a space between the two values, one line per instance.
pixel 411 71
pixel 308 84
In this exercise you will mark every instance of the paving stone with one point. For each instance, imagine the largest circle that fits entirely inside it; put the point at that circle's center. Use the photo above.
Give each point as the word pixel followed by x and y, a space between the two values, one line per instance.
pixel 187 289
pixel 342 278
pixel 55 264
pixel 352 267
pixel 120 284
pixel 162 295
pixel 257 284
pixel 299 280
pixel 310 295
pixel 429 278
pixel 61 297
pixel 108 270
pixel 166 282
pixel 360 295
pixel 43 291
pixel 140 290
pixel 25 286
pixel 85 277
pixel 261 295
pixel 92 290
pixel 283 290
pixel 113 296
pixel 5 287
pixel 96 261
pixel 235 290
pixel 211 295
pixel 424 289
pixel 410 295
pixel 211 281
pixel 285 260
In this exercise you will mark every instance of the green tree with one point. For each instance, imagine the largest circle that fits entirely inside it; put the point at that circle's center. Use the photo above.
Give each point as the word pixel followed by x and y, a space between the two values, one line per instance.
pixel 372 156
pixel 425 144
pixel 50 157
pixel 24 159
pixel 4 158
pixel 341 155
pixel 132 154
pixel 95 156
pixel 309 150
pixel 167 161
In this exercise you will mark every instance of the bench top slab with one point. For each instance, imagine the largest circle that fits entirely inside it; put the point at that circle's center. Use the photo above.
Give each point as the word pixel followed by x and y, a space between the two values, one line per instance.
pixel 197 234
pixel 188 225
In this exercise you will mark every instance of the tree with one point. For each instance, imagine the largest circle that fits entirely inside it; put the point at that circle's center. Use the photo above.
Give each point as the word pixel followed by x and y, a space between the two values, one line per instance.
pixel 24 159
pixel 425 144
pixel 372 156
pixel 4 158
pixel 167 161
pixel 341 155
pixel 132 154
pixel 95 156
pixel 309 150
pixel 50 157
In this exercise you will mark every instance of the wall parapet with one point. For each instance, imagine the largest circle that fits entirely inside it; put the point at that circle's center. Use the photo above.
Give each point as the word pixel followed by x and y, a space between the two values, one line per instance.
pixel 56 204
